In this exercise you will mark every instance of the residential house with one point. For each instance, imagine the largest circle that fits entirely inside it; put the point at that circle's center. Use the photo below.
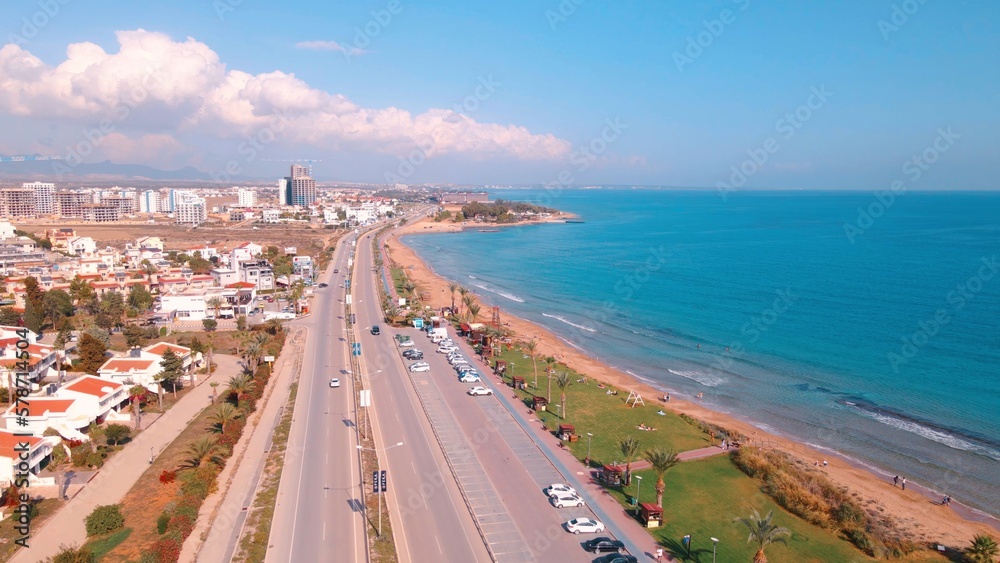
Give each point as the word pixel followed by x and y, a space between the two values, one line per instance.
pixel 150 242
pixel 66 416
pixel 103 398
pixel 16 452
pixel 259 273
pixel 81 246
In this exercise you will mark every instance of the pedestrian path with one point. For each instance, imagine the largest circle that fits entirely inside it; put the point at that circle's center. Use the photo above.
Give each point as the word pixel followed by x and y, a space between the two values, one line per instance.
pixel 685 456
pixel 118 476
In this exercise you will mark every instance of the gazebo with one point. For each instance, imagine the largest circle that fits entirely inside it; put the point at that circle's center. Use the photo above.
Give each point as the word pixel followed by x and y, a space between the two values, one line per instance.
pixel 611 475
pixel 500 368
pixel 517 382
pixel 539 403
pixel 567 432
pixel 650 515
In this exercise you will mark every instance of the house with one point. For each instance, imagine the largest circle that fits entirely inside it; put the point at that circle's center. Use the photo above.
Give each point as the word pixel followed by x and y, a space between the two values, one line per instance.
pixel 257 272
pixel 42 361
pixel 206 252
pixel 271 215
pixel 224 276
pixel 66 416
pixel 140 367
pixel 60 237
pixel 150 242
pixel 81 246
pixel 16 452
pixel 102 398
pixel 6 230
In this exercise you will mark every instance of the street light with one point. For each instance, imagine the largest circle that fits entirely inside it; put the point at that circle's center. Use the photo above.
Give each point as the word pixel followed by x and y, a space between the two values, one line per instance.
pixel 638 485
pixel 378 468
pixel 715 541
pixel 590 438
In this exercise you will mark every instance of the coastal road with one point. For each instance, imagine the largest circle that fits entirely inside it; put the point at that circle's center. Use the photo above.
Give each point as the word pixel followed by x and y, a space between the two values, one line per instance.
pixel 319 509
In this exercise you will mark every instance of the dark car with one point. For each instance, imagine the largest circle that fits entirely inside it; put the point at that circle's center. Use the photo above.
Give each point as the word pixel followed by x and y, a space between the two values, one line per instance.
pixel 336 270
pixel 618 558
pixel 375 329
pixel 604 544
pixel 322 284
pixel 413 355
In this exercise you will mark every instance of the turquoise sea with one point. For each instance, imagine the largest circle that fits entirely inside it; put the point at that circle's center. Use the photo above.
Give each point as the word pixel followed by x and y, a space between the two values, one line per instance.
pixel 877 337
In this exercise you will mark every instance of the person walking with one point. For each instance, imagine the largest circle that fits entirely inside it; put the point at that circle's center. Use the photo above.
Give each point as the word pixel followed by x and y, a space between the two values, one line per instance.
pixel 904 483
pixel 659 554
pixel 895 481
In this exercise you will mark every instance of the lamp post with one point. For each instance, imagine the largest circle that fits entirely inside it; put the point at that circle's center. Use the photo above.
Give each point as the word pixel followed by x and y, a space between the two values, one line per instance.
pixel 590 438
pixel 151 455
pixel 378 469
pixel 687 539
pixel 638 485
pixel 715 542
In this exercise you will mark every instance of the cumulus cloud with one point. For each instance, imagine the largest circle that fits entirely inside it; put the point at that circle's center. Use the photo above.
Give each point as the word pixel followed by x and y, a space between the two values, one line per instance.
pixel 329 46
pixel 155 85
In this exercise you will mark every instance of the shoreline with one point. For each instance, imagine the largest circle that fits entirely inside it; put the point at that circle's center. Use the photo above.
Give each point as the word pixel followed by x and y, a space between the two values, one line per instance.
pixel 954 526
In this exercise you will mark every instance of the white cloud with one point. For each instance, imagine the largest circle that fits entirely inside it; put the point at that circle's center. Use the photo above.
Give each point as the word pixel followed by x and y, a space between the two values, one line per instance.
pixel 329 46
pixel 155 85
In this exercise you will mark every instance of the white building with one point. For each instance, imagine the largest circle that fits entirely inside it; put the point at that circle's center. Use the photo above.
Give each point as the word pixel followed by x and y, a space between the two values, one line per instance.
pixel 81 246
pixel 247 198
pixel 271 215
pixel 12 450
pixel 193 211
pixel 6 230
pixel 45 203
pixel 283 192
pixel 149 202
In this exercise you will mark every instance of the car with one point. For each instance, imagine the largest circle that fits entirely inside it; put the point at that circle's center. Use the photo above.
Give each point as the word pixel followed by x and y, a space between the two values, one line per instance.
pixel 419 366
pixel 476 391
pixel 563 500
pixel 581 525
pixel 336 270
pixel 446 350
pixel 469 378
pixel 604 544
pixel 334 382
pixel 558 488
pixel 470 373
pixel 252 313
pixel 413 354
pixel 618 558
pixel 459 361
pixel 322 285
pixel 406 344
pixel 375 329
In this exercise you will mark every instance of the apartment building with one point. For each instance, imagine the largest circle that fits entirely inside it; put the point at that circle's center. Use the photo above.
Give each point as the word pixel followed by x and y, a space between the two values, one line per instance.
pixel 44 200
pixel 69 205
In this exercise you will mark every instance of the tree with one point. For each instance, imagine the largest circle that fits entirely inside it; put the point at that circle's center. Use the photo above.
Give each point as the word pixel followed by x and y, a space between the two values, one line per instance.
pixel 215 303
pixel 33 291
pixel 140 297
pixel 100 334
pixel 74 554
pixel 201 452
pixel 452 288
pixel 224 414
pixel 172 369
pixel 209 324
pixel 562 381
pixel 34 314
pixel 57 305
pixel 135 336
pixel 473 309
pixel 629 447
pixel 549 363
pixel 82 294
pixel 199 265
pixel 110 309
pixel 237 386
pixel 531 347
pixel 273 326
pixel 982 550
pixel 763 532
pixel 149 269
pixel 91 351
pixel 213 385
pixel 661 460
pixel 10 317
pixel 241 323
pixel 463 291
pixel 117 433
pixel 136 396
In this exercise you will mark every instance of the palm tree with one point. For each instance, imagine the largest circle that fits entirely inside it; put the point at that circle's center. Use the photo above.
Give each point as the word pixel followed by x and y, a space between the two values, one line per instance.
pixel 203 451
pixel 224 414
pixel 549 362
pixel 463 291
pixel 531 347
pixel 409 287
pixel 452 288
pixel 562 380
pixel 215 303
pixel 982 550
pixel 661 460
pixel 149 269
pixel 213 385
pixel 630 449
pixel 135 395
pixel 238 385
pixel 473 311
pixel 764 532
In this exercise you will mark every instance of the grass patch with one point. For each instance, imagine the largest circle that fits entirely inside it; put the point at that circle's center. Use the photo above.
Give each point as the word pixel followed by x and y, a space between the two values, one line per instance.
pixel 253 545
pixel 101 546
pixel 703 497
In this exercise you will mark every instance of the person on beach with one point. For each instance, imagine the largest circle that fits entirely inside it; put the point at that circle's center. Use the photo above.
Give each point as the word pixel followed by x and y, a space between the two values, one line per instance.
pixel 895 481
pixel 904 483
pixel 659 554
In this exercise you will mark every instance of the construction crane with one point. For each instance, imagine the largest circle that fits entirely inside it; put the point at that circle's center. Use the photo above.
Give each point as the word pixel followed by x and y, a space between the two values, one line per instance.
pixel 27 158
pixel 308 161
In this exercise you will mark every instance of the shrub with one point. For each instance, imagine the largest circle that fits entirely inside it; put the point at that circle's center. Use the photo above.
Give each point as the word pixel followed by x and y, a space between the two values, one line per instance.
pixel 73 554
pixel 161 522
pixel 104 519
pixel 188 501
pixel 182 523
pixel 79 455
pixel 168 476
pixel 95 459
pixel 117 433
pixel 167 550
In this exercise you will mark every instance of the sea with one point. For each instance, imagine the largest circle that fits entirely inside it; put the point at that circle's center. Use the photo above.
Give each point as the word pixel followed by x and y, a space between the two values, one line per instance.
pixel 866 323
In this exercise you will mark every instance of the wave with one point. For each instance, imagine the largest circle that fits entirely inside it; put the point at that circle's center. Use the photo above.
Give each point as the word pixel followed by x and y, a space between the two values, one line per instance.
pixel 705 379
pixel 939 435
pixel 499 292
pixel 570 323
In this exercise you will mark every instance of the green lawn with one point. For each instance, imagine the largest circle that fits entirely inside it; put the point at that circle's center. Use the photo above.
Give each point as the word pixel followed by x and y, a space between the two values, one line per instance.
pixel 101 546
pixel 702 499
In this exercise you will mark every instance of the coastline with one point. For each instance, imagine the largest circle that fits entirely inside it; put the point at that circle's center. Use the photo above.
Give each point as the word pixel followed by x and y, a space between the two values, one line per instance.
pixel 953 526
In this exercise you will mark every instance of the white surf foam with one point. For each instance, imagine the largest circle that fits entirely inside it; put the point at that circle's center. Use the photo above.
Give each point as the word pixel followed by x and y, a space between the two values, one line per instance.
pixel 570 323
pixel 499 292
pixel 703 378
pixel 932 434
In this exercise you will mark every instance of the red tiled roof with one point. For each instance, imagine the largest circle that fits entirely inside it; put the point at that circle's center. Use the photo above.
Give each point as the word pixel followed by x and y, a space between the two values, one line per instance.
pixel 12 362
pixel 125 364
pixel 95 386
pixel 241 284
pixel 8 441
pixel 160 347
pixel 38 406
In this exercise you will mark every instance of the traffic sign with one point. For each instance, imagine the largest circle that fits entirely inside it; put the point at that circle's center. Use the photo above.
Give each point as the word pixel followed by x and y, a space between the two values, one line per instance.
pixel 383 480
pixel 375 482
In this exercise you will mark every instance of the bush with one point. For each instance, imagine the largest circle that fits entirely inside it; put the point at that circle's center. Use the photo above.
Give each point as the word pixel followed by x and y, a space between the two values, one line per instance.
pixel 168 476
pixel 104 519
pixel 167 550
pixel 79 455
pixel 117 433
pixel 182 523
pixel 161 522
pixel 73 554
pixel 95 459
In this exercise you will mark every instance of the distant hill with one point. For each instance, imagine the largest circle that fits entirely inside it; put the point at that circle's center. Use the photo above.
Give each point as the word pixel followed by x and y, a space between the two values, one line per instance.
pixel 57 170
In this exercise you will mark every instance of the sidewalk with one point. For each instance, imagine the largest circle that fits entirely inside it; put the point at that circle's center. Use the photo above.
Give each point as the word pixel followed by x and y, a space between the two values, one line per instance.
pixel 220 520
pixel 115 479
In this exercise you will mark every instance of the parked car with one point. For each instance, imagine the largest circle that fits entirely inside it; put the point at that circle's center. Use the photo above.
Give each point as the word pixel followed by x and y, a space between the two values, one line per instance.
pixel 322 285
pixel 584 525
pixel 446 350
pixel 334 382
pixel 375 330
pixel 618 558
pixel 406 344
pixel 336 270
pixel 604 544
pixel 469 378
pixel 413 354
pixel 420 366
pixel 563 500
pixel 558 488
pixel 476 391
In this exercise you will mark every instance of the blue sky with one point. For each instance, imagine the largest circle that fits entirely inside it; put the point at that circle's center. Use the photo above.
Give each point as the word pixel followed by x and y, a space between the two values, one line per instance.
pixel 560 72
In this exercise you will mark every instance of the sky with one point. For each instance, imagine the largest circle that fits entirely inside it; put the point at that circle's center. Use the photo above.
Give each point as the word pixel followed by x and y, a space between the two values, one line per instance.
pixel 728 94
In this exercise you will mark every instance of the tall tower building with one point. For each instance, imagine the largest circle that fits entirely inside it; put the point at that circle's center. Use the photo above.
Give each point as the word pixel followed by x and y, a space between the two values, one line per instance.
pixel 247 198
pixel 44 197
pixel 284 189
pixel 301 187
pixel 149 202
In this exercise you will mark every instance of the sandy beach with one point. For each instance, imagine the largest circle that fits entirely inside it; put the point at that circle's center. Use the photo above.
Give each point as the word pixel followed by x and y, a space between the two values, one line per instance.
pixel 917 510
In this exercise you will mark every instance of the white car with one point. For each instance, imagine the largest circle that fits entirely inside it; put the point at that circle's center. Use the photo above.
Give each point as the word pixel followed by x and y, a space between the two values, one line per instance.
pixel 406 344
pixel 559 488
pixel 446 350
pixel 563 500
pixel 458 361
pixel 420 366
pixel 474 391
pixel 334 382
pixel 578 525
pixel 470 378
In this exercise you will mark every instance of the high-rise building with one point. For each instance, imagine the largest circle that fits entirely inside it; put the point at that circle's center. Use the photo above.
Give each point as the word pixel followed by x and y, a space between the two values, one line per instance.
pixel 247 198
pixel 17 202
pixel 283 191
pixel 191 211
pixel 69 205
pixel 301 188
pixel 149 202
pixel 169 201
pixel 44 202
